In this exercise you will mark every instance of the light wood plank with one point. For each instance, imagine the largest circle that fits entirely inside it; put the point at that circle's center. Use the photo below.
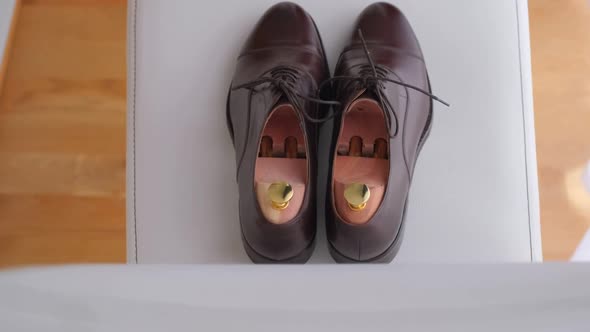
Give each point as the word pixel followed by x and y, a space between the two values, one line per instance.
pixel 560 45
pixel 41 229
pixel 76 175
pixel 99 130
pixel 62 248
pixel 62 135
pixel 43 213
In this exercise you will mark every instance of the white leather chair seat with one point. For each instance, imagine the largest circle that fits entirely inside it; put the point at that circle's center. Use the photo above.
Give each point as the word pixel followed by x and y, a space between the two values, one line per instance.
pixel 474 196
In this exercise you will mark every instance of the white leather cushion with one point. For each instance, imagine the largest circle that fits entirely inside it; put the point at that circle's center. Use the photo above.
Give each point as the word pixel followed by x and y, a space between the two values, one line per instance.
pixel 474 196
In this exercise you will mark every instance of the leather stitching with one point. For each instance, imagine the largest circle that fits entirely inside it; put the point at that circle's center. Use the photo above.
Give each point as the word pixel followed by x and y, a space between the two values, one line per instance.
pixel 309 50
pixel 387 47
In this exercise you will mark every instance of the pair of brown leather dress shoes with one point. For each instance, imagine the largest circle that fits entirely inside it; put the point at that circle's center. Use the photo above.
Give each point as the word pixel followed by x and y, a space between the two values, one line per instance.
pixel 380 101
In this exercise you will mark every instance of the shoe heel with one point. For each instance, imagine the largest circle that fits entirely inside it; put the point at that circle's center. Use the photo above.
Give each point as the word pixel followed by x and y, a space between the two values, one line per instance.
pixel 384 258
pixel 300 258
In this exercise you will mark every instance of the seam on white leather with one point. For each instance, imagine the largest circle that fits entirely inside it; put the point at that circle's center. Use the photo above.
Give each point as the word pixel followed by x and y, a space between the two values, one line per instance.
pixel 526 167
pixel 530 157
pixel 131 101
pixel 134 96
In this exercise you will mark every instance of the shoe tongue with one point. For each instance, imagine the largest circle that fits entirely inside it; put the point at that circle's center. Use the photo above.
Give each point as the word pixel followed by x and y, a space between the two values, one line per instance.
pixel 279 99
pixel 282 101
pixel 368 95
pixel 363 95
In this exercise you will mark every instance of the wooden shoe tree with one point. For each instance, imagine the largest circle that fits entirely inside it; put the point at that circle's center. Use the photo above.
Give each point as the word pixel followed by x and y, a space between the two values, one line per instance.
pixel 361 164
pixel 281 167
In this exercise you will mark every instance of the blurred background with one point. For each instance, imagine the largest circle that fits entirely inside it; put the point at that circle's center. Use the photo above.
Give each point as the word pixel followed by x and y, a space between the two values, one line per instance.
pixel 62 128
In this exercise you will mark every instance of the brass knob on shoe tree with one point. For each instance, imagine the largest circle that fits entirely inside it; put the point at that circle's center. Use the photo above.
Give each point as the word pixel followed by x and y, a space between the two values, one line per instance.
pixel 357 195
pixel 280 193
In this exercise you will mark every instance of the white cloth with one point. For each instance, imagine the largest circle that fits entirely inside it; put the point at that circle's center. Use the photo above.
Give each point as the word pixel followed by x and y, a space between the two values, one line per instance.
pixel 433 298
pixel 474 195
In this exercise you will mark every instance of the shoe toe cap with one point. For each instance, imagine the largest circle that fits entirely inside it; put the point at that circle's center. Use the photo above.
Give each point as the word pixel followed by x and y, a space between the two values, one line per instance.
pixel 385 24
pixel 284 24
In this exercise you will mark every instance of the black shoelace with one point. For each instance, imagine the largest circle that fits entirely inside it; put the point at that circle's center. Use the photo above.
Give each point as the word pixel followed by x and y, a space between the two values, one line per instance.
pixel 284 78
pixel 372 78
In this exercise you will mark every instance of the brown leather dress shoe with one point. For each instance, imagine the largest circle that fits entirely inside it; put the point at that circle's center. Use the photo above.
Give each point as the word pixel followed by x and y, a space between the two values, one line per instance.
pixel 385 116
pixel 271 114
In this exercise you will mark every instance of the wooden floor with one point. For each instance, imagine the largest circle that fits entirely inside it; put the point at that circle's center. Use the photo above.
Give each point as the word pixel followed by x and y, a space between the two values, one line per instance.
pixel 62 130
pixel 560 42
pixel 62 135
